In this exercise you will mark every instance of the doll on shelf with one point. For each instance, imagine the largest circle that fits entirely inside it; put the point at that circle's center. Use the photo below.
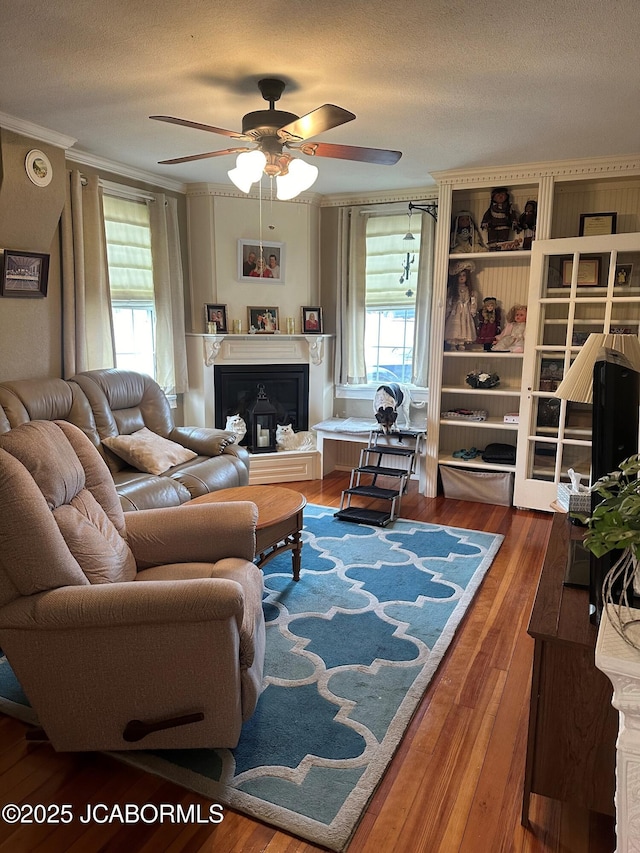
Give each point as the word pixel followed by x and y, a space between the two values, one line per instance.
pixel 511 338
pixel 490 323
pixel 462 308
pixel 499 219
pixel 527 223
pixel 465 236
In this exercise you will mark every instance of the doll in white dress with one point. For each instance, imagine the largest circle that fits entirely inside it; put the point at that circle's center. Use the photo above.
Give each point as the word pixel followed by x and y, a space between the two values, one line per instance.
pixel 511 338
pixel 462 308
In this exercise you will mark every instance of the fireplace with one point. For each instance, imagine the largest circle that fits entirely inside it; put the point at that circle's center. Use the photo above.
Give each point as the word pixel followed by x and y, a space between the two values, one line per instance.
pixel 310 357
pixel 285 385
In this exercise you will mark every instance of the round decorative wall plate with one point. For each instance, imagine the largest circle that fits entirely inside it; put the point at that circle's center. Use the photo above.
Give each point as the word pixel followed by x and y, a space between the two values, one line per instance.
pixel 38 168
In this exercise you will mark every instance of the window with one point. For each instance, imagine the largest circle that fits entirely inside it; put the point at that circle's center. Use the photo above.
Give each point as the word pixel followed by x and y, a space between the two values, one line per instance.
pixel 391 275
pixel 128 235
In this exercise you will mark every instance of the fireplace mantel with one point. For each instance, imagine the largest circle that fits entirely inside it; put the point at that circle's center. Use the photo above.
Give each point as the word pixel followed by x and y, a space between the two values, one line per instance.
pixel 241 349
pixel 204 351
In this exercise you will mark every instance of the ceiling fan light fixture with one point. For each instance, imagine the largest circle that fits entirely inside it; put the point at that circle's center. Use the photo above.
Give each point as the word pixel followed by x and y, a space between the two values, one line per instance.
pixel 300 176
pixel 249 168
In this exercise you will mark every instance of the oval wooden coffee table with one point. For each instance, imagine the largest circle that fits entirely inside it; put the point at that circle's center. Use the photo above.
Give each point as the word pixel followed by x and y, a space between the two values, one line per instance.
pixel 279 519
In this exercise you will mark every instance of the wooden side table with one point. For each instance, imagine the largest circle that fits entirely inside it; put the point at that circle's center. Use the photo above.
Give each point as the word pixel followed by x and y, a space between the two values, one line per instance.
pixel 279 519
pixel 572 725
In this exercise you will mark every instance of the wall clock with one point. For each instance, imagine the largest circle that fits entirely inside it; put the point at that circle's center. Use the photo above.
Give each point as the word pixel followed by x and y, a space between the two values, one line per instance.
pixel 38 168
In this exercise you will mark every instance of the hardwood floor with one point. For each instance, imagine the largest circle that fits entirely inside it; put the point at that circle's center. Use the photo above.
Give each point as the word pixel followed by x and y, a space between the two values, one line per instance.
pixel 455 783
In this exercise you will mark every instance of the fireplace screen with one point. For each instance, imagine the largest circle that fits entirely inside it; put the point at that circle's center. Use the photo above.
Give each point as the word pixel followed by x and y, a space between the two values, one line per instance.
pixel 286 386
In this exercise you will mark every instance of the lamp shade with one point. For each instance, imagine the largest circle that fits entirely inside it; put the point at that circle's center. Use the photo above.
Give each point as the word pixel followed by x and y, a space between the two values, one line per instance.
pixel 300 176
pixel 577 385
pixel 248 170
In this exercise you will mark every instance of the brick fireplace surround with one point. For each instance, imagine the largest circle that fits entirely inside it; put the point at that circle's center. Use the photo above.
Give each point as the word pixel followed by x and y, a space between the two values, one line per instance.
pixel 205 351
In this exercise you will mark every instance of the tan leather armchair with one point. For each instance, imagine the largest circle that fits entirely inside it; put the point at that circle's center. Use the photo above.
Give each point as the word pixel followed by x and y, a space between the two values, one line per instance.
pixel 136 631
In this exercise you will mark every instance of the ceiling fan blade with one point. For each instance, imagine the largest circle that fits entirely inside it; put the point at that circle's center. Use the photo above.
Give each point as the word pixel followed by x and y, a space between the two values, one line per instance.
pixel 379 156
pixel 315 122
pixel 191 157
pixel 208 127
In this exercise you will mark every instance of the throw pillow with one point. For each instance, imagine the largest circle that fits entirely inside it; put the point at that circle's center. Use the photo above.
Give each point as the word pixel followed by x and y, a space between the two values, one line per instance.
pixel 149 452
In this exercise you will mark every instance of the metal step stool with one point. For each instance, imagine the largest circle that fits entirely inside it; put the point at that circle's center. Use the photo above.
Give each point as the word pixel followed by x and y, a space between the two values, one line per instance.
pixel 403 446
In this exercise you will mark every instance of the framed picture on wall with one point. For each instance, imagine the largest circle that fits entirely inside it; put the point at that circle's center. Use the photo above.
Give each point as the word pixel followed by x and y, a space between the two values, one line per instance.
pixel 24 274
pixel 263 321
pixel 261 261
pixel 311 320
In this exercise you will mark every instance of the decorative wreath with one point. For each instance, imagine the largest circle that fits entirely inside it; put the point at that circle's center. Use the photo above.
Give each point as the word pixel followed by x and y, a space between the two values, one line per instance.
pixel 482 380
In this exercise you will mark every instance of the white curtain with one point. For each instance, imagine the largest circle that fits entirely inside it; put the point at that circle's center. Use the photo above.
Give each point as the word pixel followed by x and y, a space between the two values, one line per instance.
pixel 87 328
pixel 424 292
pixel 171 351
pixel 351 255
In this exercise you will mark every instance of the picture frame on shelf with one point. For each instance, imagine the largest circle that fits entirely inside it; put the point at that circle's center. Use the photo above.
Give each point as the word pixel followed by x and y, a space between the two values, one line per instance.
pixel 273 254
pixel 216 314
pixel 24 274
pixel 623 274
pixel 579 339
pixel 263 321
pixel 597 224
pixel 588 272
pixel 311 320
pixel 551 373
pixel 548 412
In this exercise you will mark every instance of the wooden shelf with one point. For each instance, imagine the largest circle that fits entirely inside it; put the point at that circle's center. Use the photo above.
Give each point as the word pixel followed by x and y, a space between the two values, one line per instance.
pixel 477 463
pixel 467 389
pixel 490 423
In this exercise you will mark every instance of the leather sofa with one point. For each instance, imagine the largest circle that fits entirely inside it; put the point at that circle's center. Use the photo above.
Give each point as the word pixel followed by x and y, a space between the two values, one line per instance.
pixel 109 403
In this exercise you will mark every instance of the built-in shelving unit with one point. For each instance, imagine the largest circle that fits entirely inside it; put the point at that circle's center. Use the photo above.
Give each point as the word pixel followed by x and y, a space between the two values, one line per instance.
pixel 563 191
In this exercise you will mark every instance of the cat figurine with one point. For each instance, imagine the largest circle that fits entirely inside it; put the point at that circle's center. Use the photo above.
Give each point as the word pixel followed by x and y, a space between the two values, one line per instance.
pixel 287 439
pixel 236 424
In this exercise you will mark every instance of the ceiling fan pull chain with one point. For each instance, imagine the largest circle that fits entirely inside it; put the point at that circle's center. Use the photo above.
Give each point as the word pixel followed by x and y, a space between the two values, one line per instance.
pixel 260 225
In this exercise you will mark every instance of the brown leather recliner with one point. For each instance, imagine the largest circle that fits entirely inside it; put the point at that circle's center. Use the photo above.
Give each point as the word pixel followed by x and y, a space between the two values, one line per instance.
pixel 126 630
pixel 108 403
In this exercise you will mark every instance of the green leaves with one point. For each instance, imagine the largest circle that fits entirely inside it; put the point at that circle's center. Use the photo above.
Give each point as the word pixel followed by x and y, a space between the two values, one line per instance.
pixel 615 522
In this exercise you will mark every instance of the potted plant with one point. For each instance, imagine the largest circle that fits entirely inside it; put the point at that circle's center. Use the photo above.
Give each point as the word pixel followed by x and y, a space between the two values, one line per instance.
pixel 614 525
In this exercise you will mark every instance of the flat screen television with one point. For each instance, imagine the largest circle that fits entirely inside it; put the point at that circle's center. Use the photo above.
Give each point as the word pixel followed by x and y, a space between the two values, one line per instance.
pixel 616 402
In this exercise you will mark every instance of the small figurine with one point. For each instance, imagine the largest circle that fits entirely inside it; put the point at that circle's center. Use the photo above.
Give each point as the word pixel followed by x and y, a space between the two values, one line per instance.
pixel 511 338
pixel 490 323
pixel 499 219
pixel 527 223
pixel 462 307
pixel 465 236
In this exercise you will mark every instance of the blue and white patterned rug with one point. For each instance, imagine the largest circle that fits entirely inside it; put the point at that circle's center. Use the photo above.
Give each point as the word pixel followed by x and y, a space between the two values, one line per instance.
pixel 351 649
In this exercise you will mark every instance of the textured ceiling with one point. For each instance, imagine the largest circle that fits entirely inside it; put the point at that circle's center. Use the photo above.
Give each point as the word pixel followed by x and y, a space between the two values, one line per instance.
pixel 450 84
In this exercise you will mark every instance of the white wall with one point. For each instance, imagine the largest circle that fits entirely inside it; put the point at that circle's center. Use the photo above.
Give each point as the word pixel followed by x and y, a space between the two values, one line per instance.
pixel 217 222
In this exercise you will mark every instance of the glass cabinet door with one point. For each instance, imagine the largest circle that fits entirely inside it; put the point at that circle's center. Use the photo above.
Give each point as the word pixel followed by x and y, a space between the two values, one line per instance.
pixel 578 285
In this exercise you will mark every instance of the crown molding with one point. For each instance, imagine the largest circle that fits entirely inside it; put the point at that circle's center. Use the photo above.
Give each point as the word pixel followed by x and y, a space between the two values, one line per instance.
pixel 426 193
pixel 524 172
pixel 124 171
pixel 35 131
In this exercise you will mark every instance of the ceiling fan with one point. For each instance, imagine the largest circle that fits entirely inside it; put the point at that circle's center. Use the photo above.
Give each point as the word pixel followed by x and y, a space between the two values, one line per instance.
pixel 274 130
